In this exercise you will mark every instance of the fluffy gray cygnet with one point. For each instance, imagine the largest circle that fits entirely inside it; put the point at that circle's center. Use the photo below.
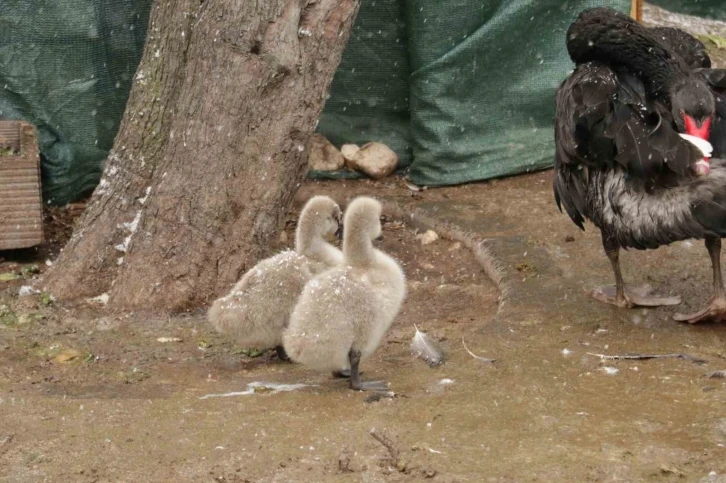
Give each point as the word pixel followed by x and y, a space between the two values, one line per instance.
pixel 344 312
pixel 257 310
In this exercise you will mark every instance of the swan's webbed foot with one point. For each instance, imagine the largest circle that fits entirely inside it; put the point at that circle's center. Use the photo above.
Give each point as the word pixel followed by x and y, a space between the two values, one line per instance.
pixel 714 312
pixel 355 383
pixel 626 297
pixel 281 354
pixel 633 297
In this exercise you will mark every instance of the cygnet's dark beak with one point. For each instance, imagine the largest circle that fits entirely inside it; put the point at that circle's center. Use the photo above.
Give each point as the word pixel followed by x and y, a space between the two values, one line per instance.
pixel 339 231
pixel 380 237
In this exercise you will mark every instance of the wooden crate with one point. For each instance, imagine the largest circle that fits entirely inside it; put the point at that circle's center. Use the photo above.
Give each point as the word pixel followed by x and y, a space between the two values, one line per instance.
pixel 21 205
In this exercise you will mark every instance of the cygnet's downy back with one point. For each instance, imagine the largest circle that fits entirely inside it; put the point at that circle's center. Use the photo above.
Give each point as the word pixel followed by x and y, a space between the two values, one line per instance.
pixel 257 309
pixel 343 313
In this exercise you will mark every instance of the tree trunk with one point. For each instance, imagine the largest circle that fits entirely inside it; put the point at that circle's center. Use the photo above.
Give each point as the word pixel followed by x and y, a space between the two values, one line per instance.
pixel 211 150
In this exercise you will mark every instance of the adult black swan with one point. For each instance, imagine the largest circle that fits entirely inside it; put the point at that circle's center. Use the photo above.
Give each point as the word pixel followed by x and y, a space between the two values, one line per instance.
pixel 632 127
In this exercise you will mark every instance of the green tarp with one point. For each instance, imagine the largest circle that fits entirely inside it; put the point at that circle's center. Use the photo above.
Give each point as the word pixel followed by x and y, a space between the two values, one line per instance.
pixel 461 89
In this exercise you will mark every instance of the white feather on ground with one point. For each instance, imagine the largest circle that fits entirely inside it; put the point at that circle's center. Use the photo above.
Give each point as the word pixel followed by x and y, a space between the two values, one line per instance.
pixel 425 347
pixel 483 359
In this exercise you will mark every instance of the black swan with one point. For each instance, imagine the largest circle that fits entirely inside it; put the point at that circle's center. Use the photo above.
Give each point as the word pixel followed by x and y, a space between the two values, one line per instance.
pixel 632 132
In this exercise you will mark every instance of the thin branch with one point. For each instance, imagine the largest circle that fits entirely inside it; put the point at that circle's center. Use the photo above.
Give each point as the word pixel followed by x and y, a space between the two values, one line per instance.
pixel 387 443
pixel 685 357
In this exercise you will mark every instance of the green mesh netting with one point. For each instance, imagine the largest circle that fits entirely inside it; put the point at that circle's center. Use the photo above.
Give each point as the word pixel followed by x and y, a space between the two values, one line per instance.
pixel 66 66
pixel 715 9
pixel 478 79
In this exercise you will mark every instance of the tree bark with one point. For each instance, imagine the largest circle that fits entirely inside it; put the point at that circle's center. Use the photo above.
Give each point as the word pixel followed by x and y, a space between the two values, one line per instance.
pixel 210 152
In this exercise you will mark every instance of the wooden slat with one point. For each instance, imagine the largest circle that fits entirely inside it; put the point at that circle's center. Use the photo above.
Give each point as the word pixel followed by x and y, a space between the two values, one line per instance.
pixel 21 234
pixel 21 210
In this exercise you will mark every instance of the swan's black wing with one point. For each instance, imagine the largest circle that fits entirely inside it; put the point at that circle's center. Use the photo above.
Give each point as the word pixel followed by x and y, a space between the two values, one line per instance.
pixel 716 80
pixel 691 50
pixel 604 122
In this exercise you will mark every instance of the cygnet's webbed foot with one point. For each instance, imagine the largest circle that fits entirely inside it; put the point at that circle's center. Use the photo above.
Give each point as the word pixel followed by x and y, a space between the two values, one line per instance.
pixel 344 373
pixel 633 297
pixel 355 383
pixel 714 312
pixel 281 354
pixel 377 386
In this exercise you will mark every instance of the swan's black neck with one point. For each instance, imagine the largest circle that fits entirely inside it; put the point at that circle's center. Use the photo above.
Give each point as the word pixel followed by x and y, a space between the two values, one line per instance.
pixel 604 35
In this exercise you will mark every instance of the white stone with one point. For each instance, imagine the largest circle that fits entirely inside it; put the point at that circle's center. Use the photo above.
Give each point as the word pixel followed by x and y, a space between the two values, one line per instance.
pixel 348 151
pixel 428 237
pixel 374 159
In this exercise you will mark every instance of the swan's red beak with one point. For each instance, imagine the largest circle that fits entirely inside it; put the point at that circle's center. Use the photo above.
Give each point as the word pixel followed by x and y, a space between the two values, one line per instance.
pixel 703 131
pixel 702 167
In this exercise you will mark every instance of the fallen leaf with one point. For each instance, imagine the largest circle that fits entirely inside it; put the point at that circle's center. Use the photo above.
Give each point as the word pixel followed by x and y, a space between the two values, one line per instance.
pixel 46 298
pixel 8 276
pixel 29 270
pixel 8 318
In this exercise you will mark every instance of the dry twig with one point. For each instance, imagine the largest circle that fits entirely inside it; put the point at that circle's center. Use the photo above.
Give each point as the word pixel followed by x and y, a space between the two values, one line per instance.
pixel 640 357
pixel 388 444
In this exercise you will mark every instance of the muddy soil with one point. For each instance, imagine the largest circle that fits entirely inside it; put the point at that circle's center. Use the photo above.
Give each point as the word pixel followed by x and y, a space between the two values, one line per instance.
pixel 91 397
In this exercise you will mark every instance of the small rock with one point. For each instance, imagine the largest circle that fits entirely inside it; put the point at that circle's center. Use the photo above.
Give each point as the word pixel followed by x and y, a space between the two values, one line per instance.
pixel 455 247
pixel 348 151
pixel 428 237
pixel 101 299
pixel 374 159
pixel 26 290
pixel 323 155
pixel 166 340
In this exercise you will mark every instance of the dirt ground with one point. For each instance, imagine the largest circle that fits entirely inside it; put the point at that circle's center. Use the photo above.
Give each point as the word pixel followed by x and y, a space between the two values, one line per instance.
pixel 87 396
pixel 91 397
